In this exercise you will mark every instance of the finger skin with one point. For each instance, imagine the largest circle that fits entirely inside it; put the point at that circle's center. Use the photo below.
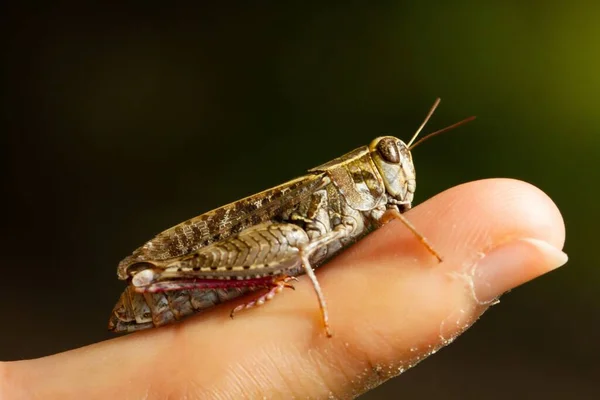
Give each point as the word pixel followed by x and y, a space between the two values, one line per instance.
pixel 390 303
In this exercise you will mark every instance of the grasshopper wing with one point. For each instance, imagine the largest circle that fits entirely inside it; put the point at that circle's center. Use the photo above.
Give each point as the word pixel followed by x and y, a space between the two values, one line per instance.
pixel 219 224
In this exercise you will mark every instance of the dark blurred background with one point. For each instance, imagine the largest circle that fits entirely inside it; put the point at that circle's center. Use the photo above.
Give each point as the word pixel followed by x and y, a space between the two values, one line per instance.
pixel 118 123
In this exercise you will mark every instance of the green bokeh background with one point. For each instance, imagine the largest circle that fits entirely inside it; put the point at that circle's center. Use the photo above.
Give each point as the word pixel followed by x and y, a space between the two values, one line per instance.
pixel 119 123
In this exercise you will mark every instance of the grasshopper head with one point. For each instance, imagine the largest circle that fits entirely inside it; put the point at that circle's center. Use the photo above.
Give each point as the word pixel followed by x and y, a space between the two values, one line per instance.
pixel 394 162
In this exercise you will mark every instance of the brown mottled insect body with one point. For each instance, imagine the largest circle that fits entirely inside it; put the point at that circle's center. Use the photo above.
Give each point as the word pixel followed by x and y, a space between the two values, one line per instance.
pixel 265 240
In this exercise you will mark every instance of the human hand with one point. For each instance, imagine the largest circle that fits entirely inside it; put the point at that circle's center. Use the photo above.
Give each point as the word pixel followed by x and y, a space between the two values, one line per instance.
pixel 390 305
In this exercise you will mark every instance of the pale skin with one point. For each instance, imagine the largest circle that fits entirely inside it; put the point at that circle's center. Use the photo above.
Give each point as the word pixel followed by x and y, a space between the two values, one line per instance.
pixel 390 303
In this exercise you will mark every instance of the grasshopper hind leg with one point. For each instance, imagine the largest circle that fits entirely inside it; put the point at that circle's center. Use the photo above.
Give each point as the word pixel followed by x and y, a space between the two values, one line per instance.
pixel 322 304
pixel 278 285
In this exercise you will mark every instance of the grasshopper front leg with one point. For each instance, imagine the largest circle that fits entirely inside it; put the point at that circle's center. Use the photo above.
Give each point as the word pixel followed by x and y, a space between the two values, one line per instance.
pixel 392 213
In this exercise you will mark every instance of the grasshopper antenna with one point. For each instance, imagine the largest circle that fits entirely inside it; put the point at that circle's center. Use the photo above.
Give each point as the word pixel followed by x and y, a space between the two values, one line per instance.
pixel 446 129
pixel 412 145
pixel 429 114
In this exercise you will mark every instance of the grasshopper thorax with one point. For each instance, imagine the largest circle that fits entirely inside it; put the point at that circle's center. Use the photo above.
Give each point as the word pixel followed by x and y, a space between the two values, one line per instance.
pixel 394 162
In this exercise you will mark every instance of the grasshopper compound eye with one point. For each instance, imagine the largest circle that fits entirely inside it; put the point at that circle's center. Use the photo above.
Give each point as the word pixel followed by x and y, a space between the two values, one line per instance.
pixel 388 150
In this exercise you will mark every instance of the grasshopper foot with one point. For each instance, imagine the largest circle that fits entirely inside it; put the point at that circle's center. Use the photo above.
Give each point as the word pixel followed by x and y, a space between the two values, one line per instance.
pixel 278 285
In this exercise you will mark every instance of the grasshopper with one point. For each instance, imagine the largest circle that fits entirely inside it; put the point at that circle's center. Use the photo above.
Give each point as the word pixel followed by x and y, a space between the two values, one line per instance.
pixel 264 241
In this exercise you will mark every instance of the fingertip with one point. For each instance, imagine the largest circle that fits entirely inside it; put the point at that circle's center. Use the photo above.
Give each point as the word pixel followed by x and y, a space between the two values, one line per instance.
pixel 484 213
pixel 512 264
